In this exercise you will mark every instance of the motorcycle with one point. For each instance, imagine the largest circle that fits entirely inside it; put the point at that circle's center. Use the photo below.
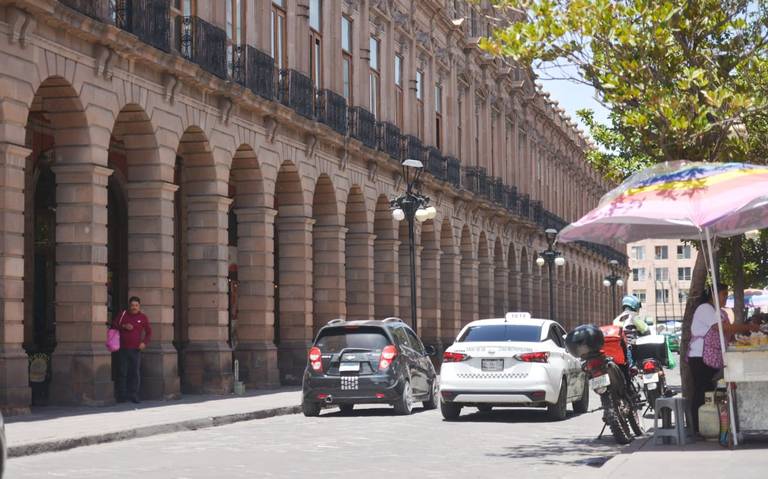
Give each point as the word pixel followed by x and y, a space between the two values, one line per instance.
pixel 654 381
pixel 615 386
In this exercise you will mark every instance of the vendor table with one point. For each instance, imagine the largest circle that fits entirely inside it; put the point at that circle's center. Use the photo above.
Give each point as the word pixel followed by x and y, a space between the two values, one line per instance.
pixel 747 368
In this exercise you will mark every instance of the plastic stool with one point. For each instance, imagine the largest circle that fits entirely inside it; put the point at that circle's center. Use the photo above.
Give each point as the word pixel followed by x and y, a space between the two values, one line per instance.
pixel 681 428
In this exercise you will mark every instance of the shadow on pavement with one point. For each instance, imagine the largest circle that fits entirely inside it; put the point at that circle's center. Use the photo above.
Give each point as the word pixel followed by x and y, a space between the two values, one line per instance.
pixel 508 416
pixel 564 451
pixel 367 412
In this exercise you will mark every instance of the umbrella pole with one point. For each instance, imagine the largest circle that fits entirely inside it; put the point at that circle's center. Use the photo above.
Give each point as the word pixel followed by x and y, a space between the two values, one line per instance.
pixel 729 391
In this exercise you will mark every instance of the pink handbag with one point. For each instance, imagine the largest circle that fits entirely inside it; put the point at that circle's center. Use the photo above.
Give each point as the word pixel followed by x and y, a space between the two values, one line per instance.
pixel 713 353
pixel 113 336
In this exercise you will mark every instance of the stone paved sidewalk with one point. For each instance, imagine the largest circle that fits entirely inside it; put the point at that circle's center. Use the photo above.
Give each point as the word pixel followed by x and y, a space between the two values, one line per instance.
pixel 58 428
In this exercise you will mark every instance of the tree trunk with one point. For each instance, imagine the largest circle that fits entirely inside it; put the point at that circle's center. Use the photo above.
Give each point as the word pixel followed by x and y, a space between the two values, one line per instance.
pixel 737 266
pixel 698 283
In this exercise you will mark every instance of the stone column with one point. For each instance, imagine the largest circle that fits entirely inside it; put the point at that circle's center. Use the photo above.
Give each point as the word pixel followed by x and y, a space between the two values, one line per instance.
pixel 514 291
pixel 526 297
pixel 81 364
pixel 485 291
pixel 330 295
pixel 295 290
pixel 255 333
pixel 501 293
pixel 405 283
pixel 15 395
pixel 207 356
pixel 386 278
pixel 359 275
pixel 450 296
pixel 430 297
pixel 469 291
pixel 151 278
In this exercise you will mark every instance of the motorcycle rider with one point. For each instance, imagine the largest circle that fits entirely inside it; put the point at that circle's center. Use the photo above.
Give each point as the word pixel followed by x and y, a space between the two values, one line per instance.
pixel 630 307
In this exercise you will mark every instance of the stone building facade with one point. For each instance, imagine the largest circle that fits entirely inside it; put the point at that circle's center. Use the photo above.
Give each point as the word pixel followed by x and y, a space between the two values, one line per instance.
pixel 232 163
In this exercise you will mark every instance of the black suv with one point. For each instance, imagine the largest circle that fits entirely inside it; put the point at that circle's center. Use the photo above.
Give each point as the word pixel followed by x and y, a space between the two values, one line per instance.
pixel 369 362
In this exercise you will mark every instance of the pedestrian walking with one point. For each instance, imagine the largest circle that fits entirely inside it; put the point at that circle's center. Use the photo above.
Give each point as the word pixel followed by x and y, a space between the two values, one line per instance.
pixel 135 334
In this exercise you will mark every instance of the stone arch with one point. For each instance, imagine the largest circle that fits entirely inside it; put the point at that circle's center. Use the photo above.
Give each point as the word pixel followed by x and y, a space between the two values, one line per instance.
pixel 358 257
pixel 386 266
pixel 485 278
pixel 450 284
pixel 293 274
pixel 329 286
pixel 513 281
pixel 469 277
pixel 430 284
pixel 500 281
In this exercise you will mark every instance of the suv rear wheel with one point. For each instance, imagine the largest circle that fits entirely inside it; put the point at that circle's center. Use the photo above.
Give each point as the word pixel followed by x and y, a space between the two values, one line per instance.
pixel 311 409
pixel 434 396
pixel 404 405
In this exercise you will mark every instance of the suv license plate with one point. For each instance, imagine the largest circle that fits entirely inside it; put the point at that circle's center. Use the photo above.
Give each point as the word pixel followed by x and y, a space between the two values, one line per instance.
pixel 599 381
pixel 492 364
pixel 349 367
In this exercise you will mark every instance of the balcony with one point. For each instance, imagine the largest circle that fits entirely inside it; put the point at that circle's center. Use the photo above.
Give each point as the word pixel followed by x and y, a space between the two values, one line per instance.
pixel 453 167
pixel 101 10
pixel 204 44
pixel 498 192
pixel 149 20
pixel 363 126
pixel 332 110
pixel 537 212
pixel 512 200
pixel 476 180
pixel 260 73
pixel 525 206
pixel 296 92
pixel 414 150
pixel 390 140
pixel 436 165
pixel 238 71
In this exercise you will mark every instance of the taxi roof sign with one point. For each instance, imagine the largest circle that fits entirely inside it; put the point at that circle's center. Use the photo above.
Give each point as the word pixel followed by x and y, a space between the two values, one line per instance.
pixel 512 316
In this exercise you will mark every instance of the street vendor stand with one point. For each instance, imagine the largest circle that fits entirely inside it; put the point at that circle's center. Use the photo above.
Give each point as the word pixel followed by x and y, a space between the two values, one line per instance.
pixel 748 372
pixel 698 201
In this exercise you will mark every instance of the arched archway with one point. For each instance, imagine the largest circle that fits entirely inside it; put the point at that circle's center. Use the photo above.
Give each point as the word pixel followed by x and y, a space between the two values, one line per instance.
pixel 386 266
pixel 469 283
pixel 500 281
pixel 450 284
pixel 430 285
pixel 359 257
pixel 485 278
pixel 329 285
pixel 293 274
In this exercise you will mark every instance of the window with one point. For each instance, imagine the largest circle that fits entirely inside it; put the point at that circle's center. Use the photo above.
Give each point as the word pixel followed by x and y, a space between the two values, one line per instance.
pixel 420 104
pixel 662 296
pixel 638 274
pixel 556 336
pixel 279 35
pixel 234 34
pixel 347 64
pixel 179 10
pixel 438 116
pixel 662 274
pixel 682 296
pixel 638 252
pixel 661 252
pixel 414 341
pixel 316 43
pixel 334 340
pixel 373 63
pixel 477 131
pixel 684 274
pixel 683 251
pixel 399 98
pixel 501 332
pixel 639 294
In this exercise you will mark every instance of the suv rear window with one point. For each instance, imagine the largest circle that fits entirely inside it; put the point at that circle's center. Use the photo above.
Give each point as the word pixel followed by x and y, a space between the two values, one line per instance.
pixel 502 332
pixel 334 340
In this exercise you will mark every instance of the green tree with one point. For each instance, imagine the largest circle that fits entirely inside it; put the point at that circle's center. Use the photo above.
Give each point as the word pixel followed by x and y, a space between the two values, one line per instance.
pixel 683 79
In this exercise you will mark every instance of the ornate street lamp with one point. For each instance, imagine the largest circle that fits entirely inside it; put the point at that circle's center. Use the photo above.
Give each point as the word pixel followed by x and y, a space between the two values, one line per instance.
pixel 412 206
pixel 613 280
pixel 551 258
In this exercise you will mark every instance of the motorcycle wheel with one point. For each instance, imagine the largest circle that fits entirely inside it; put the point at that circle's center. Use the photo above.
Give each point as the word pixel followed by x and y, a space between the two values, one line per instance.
pixel 633 416
pixel 617 423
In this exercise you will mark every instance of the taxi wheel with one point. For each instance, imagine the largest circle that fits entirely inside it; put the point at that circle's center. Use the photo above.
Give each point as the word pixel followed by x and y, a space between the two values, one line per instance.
pixel 434 396
pixel 450 411
pixel 581 405
pixel 558 411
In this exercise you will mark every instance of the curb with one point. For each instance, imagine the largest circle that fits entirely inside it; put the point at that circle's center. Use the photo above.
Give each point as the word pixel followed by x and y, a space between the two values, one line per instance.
pixel 147 431
pixel 618 460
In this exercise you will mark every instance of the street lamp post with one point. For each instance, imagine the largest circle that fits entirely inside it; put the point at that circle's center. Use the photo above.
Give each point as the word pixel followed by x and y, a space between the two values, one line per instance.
pixel 551 258
pixel 412 206
pixel 613 280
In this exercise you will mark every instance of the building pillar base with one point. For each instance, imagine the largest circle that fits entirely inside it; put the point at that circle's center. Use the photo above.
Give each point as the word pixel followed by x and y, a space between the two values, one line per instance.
pixel 292 360
pixel 258 364
pixel 160 372
pixel 15 393
pixel 207 368
pixel 81 375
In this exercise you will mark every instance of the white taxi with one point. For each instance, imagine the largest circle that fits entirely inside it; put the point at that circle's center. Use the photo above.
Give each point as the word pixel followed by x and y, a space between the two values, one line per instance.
pixel 512 361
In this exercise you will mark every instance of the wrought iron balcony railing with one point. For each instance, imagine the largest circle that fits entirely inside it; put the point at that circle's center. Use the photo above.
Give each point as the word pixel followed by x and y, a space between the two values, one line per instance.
pixel 101 10
pixel 498 192
pixel 537 210
pixel 236 67
pixel 296 91
pixel 363 126
pixel 149 20
pixel 436 165
pixel 260 73
pixel 453 167
pixel 204 44
pixel 525 206
pixel 476 180
pixel 512 200
pixel 390 140
pixel 332 110
pixel 414 150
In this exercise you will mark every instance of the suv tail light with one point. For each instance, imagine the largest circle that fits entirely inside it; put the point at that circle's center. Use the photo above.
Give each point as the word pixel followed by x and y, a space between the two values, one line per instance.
pixel 387 356
pixel 449 357
pixel 316 359
pixel 541 357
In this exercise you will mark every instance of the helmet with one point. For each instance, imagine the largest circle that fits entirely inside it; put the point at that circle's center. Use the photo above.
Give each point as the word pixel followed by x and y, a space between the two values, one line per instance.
pixel 631 302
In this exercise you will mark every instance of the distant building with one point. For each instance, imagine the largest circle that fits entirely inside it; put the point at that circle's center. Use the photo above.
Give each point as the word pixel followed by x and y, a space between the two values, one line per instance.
pixel 660 276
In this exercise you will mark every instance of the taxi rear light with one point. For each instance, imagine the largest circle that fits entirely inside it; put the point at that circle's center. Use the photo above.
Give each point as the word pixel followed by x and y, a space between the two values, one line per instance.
pixel 450 357
pixel 316 359
pixel 387 356
pixel 540 357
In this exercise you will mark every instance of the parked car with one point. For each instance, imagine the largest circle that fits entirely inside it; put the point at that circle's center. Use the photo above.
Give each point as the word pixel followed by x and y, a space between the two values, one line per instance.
pixel 673 339
pixel 3 446
pixel 512 361
pixel 369 362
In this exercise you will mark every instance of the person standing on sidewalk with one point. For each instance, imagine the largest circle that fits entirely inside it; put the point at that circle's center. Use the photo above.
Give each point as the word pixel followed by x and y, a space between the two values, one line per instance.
pixel 135 333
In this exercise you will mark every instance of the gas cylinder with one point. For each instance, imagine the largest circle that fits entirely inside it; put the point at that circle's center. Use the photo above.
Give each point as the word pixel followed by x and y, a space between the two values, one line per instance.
pixel 709 418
